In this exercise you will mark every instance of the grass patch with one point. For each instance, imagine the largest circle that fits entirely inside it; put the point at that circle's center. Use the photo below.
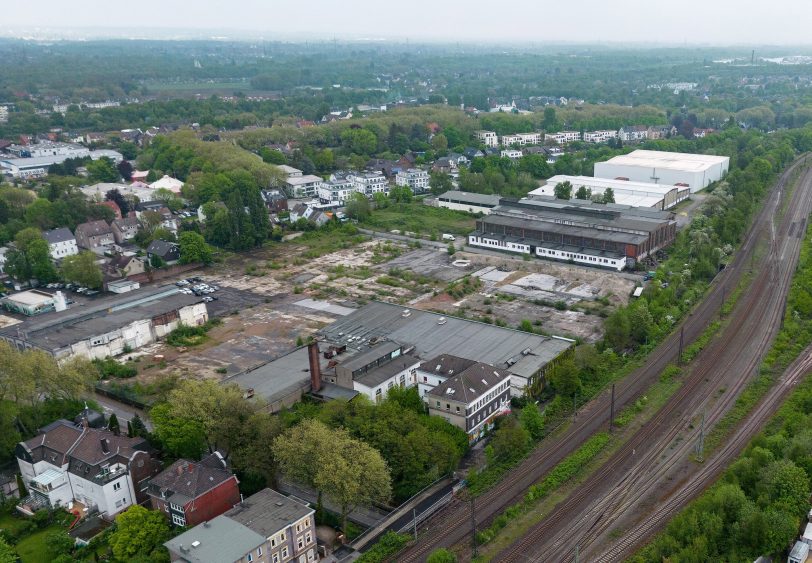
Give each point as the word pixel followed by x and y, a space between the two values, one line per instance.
pixel 328 240
pixel 420 219
pixel 33 549
pixel 389 544
pixel 191 335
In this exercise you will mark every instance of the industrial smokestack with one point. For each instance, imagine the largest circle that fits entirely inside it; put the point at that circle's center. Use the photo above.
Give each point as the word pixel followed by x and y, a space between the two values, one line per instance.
pixel 315 366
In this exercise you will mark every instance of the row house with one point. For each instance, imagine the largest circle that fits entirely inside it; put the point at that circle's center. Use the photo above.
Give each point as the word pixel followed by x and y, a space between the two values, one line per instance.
pixel 267 527
pixel 74 463
pixel 94 234
pixel 513 154
pixel 414 178
pixel 125 229
pixel 563 137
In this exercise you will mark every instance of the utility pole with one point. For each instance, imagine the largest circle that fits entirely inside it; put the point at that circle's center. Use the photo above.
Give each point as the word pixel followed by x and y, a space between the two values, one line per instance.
pixel 473 528
pixel 612 410
pixel 414 517
pixel 681 344
pixel 576 553
pixel 700 446
pixel 574 405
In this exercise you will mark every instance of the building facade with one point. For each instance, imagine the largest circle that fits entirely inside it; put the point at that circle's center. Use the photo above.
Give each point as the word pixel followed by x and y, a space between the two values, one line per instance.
pixel 563 137
pixel 94 234
pixel 600 136
pixel 414 178
pixel 61 243
pixel 369 183
pixel 487 138
pixel 521 139
pixel 696 171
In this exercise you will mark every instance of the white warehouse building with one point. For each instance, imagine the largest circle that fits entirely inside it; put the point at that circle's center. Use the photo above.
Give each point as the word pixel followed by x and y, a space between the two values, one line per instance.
pixel 696 171
pixel 635 194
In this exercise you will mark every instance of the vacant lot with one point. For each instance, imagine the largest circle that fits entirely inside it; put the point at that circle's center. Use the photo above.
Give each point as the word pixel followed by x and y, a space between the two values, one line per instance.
pixel 420 219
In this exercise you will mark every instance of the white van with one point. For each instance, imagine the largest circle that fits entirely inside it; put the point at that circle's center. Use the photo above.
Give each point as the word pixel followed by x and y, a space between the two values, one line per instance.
pixel 446 236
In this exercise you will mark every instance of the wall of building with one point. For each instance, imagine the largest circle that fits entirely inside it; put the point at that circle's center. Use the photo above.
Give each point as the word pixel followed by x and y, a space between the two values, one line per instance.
pixel 591 260
pixel 378 392
pixel 468 208
pixel 484 242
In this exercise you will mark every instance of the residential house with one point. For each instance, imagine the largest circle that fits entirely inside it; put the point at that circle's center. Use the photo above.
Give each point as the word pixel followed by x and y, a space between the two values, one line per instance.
pixel 125 229
pixel 661 131
pixel 487 138
pixel 124 265
pixel 139 176
pixel 388 168
pixel 266 527
pixel 289 171
pixel 336 191
pixel 459 159
pixel 168 252
pixel 3 257
pixel 275 200
pixel 94 235
pixel 563 137
pixel 91 467
pixel 633 133
pixel 521 139
pixel 369 183
pixel 414 178
pixel 303 186
pixel 61 243
pixel 471 153
pixel 193 492
pixel 702 133
pixel 471 399
pixel 445 165
pixel 602 136
pixel 513 154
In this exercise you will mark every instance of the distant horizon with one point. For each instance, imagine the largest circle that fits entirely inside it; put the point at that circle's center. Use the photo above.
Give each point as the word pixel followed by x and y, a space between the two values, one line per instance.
pixel 84 34
pixel 638 22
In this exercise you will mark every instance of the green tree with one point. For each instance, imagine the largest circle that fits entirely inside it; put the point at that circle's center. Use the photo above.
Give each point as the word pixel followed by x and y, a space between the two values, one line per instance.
pixel 347 471
pixel 584 193
pixel 564 377
pixel 82 269
pixel 103 170
pixel 193 248
pixel 272 156
pixel 113 425
pixel 440 182
pixel 139 535
pixel 532 420
pixel 510 441
pixel 31 259
pixel 358 207
pixel 172 201
pixel 440 143
pixel 563 190
pixel 609 196
pixel 360 141
pixel 59 543
pixel 179 437
pixel 40 214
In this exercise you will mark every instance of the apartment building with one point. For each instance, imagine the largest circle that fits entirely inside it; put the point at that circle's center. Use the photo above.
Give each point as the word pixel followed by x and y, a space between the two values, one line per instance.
pixel 487 138
pixel 521 139
pixel 369 183
pixel 416 179
pixel 61 243
pixel 563 137
pixel 599 136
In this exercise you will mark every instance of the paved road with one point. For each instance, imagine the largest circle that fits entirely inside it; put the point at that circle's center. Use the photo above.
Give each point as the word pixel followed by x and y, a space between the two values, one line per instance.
pixel 124 413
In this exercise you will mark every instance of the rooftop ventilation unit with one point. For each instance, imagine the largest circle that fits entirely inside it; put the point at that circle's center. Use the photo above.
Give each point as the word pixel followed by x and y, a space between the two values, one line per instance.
pixel 406 313
pixel 195 543
pixel 442 321
pixel 526 352
pixel 449 391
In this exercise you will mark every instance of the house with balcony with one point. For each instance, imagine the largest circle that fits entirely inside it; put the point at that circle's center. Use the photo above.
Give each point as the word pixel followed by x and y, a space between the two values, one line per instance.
pixel 125 229
pixel 414 178
pixel 94 234
pixel 91 469
pixel 369 183
pixel 192 492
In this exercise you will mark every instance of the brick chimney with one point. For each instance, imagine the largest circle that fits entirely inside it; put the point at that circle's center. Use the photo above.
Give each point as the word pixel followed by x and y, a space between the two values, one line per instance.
pixel 315 367
pixel 105 446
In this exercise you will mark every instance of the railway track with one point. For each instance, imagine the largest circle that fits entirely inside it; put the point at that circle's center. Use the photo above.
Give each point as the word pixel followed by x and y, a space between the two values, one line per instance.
pixel 453 523
pixel 641 467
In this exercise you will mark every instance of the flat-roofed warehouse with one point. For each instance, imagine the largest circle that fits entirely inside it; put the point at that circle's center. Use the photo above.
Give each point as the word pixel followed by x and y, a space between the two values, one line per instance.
pixel 109 325
pixel 467 201
pixel 606 235
pixel 421 334
pixel 634 194
pixel 696 171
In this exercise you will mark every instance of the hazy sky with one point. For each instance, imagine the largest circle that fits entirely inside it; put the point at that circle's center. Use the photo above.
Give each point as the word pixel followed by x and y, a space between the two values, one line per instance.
pixel 647 21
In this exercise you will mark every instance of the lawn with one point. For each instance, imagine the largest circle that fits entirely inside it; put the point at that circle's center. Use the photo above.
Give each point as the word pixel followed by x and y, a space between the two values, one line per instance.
pixel 12 524
pixel 422 219
pixel 33 549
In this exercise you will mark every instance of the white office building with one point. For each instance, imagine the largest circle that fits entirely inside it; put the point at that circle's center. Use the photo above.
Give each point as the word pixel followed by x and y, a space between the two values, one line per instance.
pixel 337 191
pixel 369 183
pixel 696 171
pixel 635 194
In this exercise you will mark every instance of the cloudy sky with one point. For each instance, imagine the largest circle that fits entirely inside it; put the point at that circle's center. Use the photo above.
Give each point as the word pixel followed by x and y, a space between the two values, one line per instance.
pixel 644 21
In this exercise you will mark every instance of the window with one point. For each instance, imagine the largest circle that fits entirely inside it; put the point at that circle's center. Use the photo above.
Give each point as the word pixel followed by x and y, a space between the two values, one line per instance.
pixel 116 486
pixel 273 542
pixel 275 558
pixel 180 521
pixel 308 538
pixel 307 523
pixel 298 527
pixel 282 536
pixel 458 410
pixel 174 506
pixel 284 552
pixel 259 551
pixel 300 542
pixel 250 558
